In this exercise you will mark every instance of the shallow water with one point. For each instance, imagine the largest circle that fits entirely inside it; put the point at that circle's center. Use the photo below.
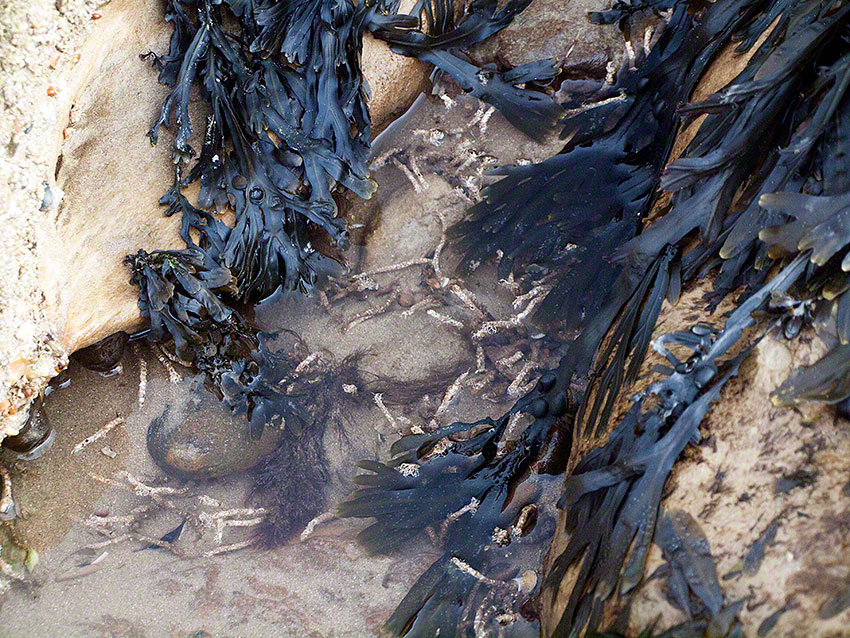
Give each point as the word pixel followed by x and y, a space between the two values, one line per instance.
pixel 415 330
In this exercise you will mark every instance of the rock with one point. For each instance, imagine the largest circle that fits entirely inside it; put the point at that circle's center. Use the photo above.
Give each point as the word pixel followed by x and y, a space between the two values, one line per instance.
pixel 104 355
pixel 35 437
pixel 394 81
pixel 554 29
pixel 199 439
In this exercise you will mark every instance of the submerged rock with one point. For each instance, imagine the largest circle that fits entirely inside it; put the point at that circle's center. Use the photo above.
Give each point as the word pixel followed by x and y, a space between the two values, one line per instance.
pixel 199 439
pixel 555 29
pixel 104 355
pixel 35 437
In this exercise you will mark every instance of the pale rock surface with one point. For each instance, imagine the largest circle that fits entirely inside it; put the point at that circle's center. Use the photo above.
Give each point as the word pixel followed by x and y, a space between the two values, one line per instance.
pixel 756 464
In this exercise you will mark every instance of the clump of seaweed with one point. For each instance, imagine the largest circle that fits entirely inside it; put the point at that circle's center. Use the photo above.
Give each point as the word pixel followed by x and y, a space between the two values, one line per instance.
pixel 178 297
pixel 461 476
pixel 298 464
pixel 531 216
pixel 287 130
pixel 726 213
pixel 612 497
pixel 288 123
pixel 549 214
pixel 773 97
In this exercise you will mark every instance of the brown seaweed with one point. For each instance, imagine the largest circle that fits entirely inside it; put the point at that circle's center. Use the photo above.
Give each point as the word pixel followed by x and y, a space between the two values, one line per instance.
pixel 531 216
pixel 687 551
pixel 613 495
pixel 287 130
pixel 735 207
pixel 472 472
pixel 575 211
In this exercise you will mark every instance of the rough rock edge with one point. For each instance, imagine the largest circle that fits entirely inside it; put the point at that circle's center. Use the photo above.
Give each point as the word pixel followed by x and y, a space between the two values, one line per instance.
pixel 37 38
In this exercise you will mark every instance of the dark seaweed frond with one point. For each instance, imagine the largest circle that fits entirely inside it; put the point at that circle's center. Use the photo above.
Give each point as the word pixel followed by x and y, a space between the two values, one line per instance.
pixel 744 118
pixel 628 341
pixel 819 225
pixel 287 124
pixel 827 380
pixel 622 11
pixel 790 96
pixel 270 150
pixel 533 214
pixel 613 495
pixel 292 480
pixel 725 160
pixel 451 467
pixel 818 222
pixel 459 479
pixel 169 63
pixel 180 294
pixel 533 112
pixel 577 208
pixel 183 295
pixel 789 166
pixel 722 625
pixel 692 567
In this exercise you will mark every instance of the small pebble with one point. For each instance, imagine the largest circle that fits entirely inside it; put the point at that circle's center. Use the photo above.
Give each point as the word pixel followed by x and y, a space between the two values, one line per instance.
pixel 35 437
pixel 104 355
pixel 527 582
pixel 108 451
pixel 843 409
pixel 202 440
pixel 47 200
pixel 406 300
